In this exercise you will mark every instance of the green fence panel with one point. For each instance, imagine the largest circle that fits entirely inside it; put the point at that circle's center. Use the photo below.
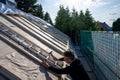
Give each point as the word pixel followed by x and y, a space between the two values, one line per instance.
pixel 87 44
pixel 104 49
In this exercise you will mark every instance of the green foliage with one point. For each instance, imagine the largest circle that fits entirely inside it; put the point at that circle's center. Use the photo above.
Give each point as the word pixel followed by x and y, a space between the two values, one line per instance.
pixel 25 5
pixel 63 19
pixel 72 22
pixel 38 11
pixel 47 18
pixel 116 25
pixel 89 21
pixel 74 25
pixel 30 6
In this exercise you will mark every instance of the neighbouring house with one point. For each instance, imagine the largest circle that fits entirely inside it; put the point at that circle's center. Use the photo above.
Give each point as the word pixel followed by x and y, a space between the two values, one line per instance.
pixel 103 26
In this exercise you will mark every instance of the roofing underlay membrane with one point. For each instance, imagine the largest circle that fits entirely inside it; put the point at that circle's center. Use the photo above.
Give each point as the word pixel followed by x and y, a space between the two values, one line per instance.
pixel 7 9
pixel 25 41
pixel 21 67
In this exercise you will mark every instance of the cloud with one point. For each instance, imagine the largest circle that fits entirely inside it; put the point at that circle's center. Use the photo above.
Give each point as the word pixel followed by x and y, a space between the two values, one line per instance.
pixel 95 6
pixel 116 6
pixel 81 4
pixel 99 3
pixel 113 9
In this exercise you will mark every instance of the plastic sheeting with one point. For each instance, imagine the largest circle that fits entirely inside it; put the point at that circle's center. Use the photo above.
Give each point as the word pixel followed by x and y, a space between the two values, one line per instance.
pixel 7 9
pixel 21 65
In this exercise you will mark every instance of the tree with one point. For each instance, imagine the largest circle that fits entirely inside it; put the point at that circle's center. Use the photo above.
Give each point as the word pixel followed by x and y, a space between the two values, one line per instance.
pixel 82 24
pixel 30 6
pixel 116 25
pixel 38 11
pixel 63 19
pixel 47 18
pixel 72 23
pixel 89 21
pixel 26 5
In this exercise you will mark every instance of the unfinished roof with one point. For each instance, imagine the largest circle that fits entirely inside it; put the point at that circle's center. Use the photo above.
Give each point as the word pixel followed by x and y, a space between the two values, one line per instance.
pixel 25 41
pixel 15 65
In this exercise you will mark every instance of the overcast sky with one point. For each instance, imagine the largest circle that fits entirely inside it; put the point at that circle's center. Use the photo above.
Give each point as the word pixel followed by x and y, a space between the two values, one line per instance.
pixel 102 10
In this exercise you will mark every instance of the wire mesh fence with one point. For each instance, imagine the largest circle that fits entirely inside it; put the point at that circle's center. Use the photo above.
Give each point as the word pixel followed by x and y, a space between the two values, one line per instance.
pixel 105 50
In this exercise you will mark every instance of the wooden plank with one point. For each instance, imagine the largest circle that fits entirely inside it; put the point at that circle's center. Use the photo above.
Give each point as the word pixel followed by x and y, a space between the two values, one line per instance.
pixel 48 30
pixel 41 54
pixel 37 27
pixel 18 15
pixel 19 48
pixel 30 38
pixel 42 35
pixel 16 47
pixel 35 35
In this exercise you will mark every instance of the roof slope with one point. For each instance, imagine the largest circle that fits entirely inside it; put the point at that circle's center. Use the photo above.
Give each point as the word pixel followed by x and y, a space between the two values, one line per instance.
pixel 25 41
pixel 105 26
pixel 17 66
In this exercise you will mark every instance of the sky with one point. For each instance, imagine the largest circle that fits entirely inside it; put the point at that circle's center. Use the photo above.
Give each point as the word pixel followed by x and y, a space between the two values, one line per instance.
pixel 101 10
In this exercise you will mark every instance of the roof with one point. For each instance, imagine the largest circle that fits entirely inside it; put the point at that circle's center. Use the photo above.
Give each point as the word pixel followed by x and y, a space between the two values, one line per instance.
pixel 10 1
pixel 105 26
pixel 21 66
pixel 25 41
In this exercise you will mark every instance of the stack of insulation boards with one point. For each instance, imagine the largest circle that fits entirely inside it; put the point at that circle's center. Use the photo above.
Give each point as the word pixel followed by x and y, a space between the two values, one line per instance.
pixel 20 35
